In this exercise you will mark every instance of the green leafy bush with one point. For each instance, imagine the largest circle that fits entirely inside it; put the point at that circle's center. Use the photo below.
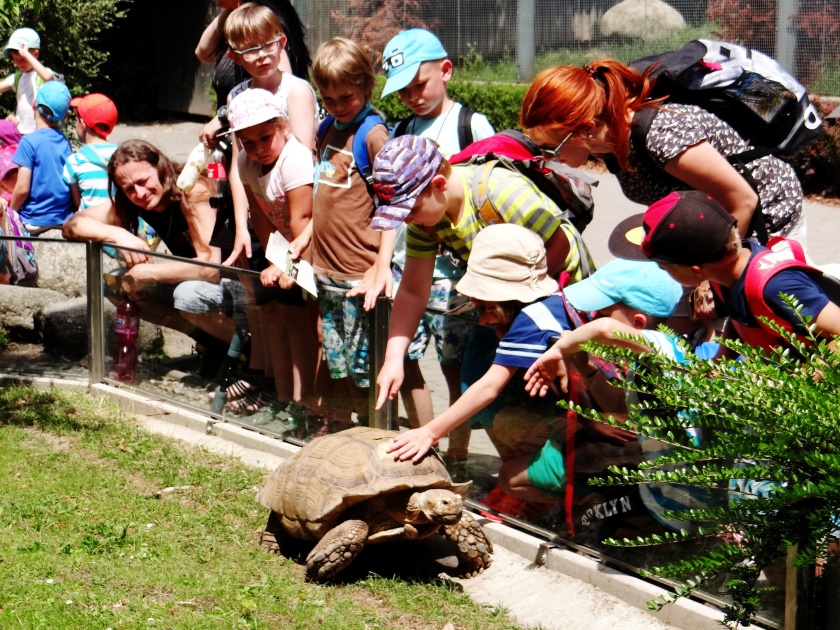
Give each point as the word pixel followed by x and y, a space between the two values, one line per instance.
pixel 769 421
pixel 500 102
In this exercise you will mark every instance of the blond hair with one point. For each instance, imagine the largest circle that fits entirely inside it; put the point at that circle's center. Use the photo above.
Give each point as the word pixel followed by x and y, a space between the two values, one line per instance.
pixel 252 24
pixel 341 61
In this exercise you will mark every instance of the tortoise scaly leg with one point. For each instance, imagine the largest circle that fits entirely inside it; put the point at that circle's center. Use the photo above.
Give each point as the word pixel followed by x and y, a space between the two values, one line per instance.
pixel 473 547
pixel 336 550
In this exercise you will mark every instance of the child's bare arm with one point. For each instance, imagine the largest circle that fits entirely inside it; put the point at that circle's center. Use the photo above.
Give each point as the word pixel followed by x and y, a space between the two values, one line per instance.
pixel 21 192
pixel 242 241
pixel 415 443
pixel 408 308
pixel 828 323
pixel 45 73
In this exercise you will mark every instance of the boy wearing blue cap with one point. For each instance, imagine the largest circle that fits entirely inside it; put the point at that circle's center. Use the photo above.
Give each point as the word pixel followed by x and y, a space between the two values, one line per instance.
pixel 41 196
pixel 30 74
pixel 631 298
pixel 418 70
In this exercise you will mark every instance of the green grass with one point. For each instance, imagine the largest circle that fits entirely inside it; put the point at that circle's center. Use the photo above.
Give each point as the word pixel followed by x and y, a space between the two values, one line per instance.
pixel 91 540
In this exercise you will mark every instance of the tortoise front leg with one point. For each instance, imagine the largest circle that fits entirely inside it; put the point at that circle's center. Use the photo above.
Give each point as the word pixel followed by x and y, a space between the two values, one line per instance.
pixel 273 534
pixel 473 547
pixel 335 551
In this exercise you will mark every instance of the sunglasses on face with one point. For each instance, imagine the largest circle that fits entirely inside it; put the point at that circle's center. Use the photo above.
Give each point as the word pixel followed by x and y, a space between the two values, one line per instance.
pixel 552 153
pixel 252 54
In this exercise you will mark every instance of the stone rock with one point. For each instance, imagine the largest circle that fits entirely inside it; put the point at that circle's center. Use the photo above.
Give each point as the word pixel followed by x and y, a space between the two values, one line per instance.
pixel 18 307
pixel 62 266
pixel 64 329
pixel 648 19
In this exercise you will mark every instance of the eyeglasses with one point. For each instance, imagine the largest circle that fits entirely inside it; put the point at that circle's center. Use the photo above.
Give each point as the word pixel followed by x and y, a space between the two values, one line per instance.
pixel 252 54
pixel 394 61
pixel 552 153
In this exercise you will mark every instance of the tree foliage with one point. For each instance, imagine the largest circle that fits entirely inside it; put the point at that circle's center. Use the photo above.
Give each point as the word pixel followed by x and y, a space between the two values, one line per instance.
pixel 373 23
pixel 769 421
pixel 70 32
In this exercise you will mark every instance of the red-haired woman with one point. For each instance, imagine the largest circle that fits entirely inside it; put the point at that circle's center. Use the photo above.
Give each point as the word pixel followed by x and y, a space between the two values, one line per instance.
pixel 576 112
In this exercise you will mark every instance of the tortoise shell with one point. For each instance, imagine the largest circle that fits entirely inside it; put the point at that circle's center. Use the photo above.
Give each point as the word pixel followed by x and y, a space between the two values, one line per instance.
pixel 311 490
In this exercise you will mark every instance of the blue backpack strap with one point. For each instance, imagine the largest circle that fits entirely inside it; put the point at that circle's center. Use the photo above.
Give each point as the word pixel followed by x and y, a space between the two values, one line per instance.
pixel 360 152
pixel 325 124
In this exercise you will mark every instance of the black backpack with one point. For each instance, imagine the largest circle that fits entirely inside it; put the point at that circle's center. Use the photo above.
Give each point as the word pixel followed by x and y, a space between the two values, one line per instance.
pixel 743 87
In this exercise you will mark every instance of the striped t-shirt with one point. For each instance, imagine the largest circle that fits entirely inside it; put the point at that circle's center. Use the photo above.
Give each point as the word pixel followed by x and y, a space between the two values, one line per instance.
pixel 518 201
pixel 87 168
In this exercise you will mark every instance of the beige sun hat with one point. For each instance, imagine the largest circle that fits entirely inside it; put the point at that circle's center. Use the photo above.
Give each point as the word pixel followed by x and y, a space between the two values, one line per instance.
pixel 507 262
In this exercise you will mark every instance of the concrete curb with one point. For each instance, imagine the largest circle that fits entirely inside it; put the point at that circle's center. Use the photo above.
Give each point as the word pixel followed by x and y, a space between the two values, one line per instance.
pixel 259 450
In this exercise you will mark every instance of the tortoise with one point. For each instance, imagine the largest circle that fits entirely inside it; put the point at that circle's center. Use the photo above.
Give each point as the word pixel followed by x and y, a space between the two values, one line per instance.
pixel 344 491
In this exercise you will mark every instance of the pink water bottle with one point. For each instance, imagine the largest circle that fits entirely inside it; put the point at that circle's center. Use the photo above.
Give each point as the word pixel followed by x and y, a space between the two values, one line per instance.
pixel 126 329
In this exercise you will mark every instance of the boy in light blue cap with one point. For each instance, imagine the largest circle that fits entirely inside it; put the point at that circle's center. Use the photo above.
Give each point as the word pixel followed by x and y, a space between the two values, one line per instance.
pixel 629 297
pixel 418 69
pixel 24 48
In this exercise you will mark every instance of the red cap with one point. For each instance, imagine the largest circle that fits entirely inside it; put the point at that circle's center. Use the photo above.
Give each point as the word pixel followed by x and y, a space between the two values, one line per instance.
pixel 96 111
pixel 686 228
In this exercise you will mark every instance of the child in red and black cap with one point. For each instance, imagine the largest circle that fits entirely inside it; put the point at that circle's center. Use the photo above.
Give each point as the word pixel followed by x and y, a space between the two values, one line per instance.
pixel 694 239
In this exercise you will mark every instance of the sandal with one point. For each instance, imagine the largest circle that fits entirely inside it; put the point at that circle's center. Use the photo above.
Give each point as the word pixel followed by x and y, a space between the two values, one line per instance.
pixel 251 403
pixel 237 390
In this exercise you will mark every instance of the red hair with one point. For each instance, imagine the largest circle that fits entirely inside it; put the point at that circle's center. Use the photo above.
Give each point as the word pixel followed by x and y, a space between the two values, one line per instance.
pixel 565 98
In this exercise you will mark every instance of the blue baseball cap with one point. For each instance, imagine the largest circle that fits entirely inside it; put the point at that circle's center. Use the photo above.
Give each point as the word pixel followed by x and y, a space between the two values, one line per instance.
pixel 22 36
pixel 404 54
pixel 639 284
pixel 53 100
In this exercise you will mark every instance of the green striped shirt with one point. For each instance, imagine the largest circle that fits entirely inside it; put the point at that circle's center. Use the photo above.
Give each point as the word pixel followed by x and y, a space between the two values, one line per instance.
pixel 518 201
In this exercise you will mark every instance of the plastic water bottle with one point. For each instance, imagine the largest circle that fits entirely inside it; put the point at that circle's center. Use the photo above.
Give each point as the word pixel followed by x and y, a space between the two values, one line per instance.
pixel 217 172
pixel 126 330
pixel 196 161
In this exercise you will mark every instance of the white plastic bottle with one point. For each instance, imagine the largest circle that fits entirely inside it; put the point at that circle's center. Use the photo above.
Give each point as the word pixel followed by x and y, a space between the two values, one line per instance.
pixel 196 163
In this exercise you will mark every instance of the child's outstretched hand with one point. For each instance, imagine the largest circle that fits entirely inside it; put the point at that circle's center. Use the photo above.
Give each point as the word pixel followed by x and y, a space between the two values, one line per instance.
pixel 411 445
pixel 541 375
pixel 378 280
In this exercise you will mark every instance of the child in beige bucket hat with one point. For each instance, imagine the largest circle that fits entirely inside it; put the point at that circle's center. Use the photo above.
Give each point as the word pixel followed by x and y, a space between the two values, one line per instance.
pixel 508 283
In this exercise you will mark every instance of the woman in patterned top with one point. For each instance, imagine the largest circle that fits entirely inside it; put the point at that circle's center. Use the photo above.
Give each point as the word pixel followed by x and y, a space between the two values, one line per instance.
pixel 576 112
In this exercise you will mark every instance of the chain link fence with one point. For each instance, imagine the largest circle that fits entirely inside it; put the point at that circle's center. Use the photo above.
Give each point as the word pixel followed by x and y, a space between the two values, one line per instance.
pixel 510 40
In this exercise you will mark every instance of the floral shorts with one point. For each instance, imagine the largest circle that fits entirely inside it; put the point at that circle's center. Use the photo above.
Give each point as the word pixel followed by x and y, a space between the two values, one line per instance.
pixel 450 333
pixel 346 331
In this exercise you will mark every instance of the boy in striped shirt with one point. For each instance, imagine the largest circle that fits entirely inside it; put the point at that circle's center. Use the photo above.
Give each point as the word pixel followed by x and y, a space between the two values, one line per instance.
pixel 86 170
pixel 415 184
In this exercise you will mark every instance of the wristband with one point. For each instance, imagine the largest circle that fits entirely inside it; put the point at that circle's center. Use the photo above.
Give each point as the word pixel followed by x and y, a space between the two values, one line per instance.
pixel 222 114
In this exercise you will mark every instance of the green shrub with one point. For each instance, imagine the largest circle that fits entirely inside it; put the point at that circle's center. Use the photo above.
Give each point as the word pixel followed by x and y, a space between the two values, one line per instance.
pixel 818 163
pixel 500 102
pixel 769 421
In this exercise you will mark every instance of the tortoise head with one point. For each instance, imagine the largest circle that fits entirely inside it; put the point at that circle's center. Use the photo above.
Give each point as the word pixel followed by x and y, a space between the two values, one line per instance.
pixel 435 506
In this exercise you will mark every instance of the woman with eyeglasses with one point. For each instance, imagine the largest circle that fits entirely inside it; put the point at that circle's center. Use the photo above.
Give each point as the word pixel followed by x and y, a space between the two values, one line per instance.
pixel 576 112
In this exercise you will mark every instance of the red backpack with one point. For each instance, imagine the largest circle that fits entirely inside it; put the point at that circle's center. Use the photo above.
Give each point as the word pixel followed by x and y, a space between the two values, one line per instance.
pixel 782 253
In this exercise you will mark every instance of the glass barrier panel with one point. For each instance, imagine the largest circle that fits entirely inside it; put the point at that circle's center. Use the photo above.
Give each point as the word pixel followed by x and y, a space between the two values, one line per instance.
pixel 223 344
pixel 43 307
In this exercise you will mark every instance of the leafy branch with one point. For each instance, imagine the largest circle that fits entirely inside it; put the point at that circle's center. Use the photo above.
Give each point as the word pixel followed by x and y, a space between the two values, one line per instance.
pixel 769 424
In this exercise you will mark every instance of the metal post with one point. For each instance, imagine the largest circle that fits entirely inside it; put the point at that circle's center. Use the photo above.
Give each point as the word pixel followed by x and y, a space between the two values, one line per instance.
pixel 385 418
pixel 525 45
pixel 799 594
pixel 96 312
pixel 786 34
